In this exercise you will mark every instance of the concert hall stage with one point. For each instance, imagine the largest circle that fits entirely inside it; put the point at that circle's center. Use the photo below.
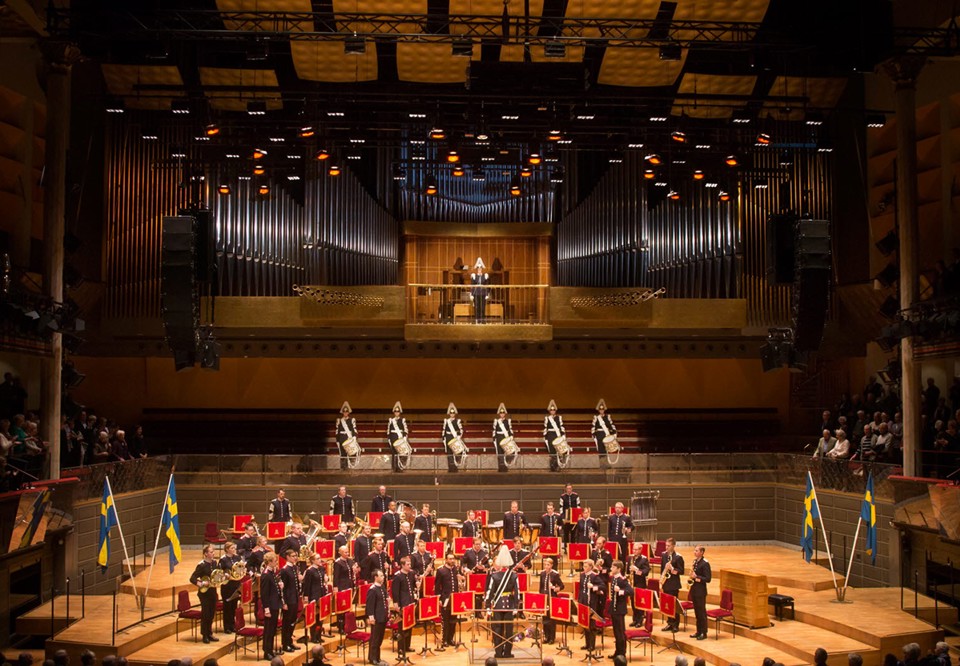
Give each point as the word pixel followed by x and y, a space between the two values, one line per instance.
pixel 871 623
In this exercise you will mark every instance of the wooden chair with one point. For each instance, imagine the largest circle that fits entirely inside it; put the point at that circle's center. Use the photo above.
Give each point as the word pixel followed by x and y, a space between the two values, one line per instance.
pixel 725 611
pixel 186 611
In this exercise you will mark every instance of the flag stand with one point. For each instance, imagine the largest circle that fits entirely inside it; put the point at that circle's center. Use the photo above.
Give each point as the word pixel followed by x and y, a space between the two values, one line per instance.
pixel 123 541
pixel 153 557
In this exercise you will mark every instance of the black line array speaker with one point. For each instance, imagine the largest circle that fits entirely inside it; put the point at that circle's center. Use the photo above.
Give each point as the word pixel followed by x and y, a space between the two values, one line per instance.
pixel 179 298
pixel 781 235
pixel 811 288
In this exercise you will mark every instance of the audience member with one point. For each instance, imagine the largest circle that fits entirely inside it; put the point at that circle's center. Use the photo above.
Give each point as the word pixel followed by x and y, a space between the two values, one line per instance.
pixel 61 658
pixel 941 652
pixel 210 662
pixel 88 658
pixel 854 659
pixel 826 443
pixel 547 661
pixel 820 657
pixel 680 661
pixel 490 661
pixel 25 659
pixel 890 659
pixel 841 448
pixel 699 661
pixel 911 654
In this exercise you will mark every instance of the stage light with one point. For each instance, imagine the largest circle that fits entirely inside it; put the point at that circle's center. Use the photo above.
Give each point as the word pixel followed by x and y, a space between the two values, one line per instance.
pixel 670 52
pixel 554 135
pixel 293 177
pixel 115 105
pixel 649 174
pixel 263 190
pixel 354 45
pixel 673 195
pixel 180 107
pixel 307 131
pixel 322 155
pixel 557 175
pixel 256 107
pixel 462 47
pixel 224 189
pixel 658 119
pixel 149 136
pixel 515 187
pixel 453 156
pixel 334 170
pixel 741 118
pixel 786 158
pixel 654 159
pixel 731 160
pixel 723 195
pixel 698 174
pixel 678 136
pixel 482 135
pixel 763 139
pixel 876 120
pixel 534 157
pixel 259 153
pixel 616 158
pixel 335 113
pixel 438 133
pixel 259 170
pixel 761 184
pixel 888 244
pixel 554 49
pixel 399 173
pixel 526 172
pixel 458 171
pixel 431 189
pixel 479 175
pixel 813 119
pixel 416 115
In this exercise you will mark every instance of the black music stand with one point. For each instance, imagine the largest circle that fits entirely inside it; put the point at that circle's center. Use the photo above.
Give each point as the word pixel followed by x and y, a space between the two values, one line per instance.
pixel 673 644
pixel 564 646
pixel 594 655
pixel 426 648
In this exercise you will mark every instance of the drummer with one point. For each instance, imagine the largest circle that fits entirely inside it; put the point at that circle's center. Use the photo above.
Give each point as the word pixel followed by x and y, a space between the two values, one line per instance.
pixel 471 526
pixel 513 521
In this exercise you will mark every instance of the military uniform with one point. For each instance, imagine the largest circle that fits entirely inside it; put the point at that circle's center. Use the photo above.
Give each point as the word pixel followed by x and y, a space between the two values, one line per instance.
pixel 272 601
pixel 513 523
pixel 377 559
pixel 404 544
pixel 586 530
pixel 425 524
pixel 404 592
pixel 590 584
pixel 601 427
pixel 345 429
pixel 389 525
pixel 447 585
pixel 362 546
pixel 396 430
pixel 552 428
pixel 314 586
pixel 280 511
pixel 568 502
pixel 502 596
pixel 479 281
pixel 245 545
pixel 549 585
pixel 502 428
pixel 698 594
pixel 343 579
pixel 471 528
pixel 551 525
pixel 452 430
pixel 620 593
pixel 291 605
pixel 207 597
pixel 342 506
pixel 420 562
pixel 227 591
pixel 642 564
pixel 672 584
pixel 617 526
pixel 380 503
pixel 378 608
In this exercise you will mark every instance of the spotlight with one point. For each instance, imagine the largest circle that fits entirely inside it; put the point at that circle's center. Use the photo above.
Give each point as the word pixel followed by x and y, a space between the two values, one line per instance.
pixel 306 132
pixel 431 189
pixel 115 105
pixel 741 118
pixel 453 156
pixel 670 52
pixel 654 159
pixel 534 157
pixel 354 45
pixel 888 244
pixel 399 173
pixel 212 129
pixel 526 172
pixel 698 174
pixel 649 174
pixel 616 158
pixel 180 107
pixel 876 120
pixel 334 170
pixel 224 189
pixel 458 171
pixel 731 160
pixel 658 119
pixel 462 47
pixel 554 49
pixel 256 107
pixel 322 155
pixel 673 195
pixel 258 153
pixel 263 190
pixel 678 136
pixel 761 184
pixel 438 133
pixel 554 135
pixel 482 135
pixel 723 195
pixel 259 170
pixel 515 187
pixel 763 139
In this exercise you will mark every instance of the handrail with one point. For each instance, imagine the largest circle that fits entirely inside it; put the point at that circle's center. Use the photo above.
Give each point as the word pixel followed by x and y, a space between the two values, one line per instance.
pixel 429 285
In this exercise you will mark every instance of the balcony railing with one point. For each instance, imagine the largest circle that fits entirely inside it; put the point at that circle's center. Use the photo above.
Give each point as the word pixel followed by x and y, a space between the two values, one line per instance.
pixel 463 304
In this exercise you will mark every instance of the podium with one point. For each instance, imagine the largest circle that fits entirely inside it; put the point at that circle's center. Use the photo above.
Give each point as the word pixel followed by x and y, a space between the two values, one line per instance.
pixel 750 592
pixel 527 651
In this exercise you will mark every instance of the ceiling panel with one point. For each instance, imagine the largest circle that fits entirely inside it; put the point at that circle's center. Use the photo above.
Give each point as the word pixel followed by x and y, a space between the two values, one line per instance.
pixel 264 6
pixel 224 100
pixel 490 8
pixel 604 9
pixel 125 80
pixel 392 7
pixel 638 67
pixel 427 62
pixel 514 53
pixel 326 61
pixel 819 92
pixel 712 84
pixel 725 11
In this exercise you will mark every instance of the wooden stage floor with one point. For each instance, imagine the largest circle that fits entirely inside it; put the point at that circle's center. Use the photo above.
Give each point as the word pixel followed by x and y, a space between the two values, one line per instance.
pixel 871 623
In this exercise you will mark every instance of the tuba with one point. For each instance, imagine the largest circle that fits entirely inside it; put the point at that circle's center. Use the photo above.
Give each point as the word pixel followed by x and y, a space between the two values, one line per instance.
pixel 510 448
pixel 562 449
pixel 612 447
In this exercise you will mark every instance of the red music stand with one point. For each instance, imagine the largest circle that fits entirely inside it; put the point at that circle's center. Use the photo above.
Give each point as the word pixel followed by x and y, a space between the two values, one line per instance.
pixel 240 523
pixel 429 586
pixel 373 518
pixel 462 603
pixel 246 591
pixel 325 607
pixel 343 601
pixel 482 515
pixel 643 599
pixel 578 552
pixel 409 616
pixel 429 608
pixel 462 545
pixel 613 548
pixel 325 548
pixel 276 531
pixel 549 546
pixel 535 603
pixel 477 583
pixel 437 548
pixel 364 591
pixel 332 523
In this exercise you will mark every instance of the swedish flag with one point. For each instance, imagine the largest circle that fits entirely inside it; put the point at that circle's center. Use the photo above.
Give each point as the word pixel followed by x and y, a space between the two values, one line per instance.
pixel 108 518
pixel 811 512
pixel 171 525
pixel 39 508
pixel 868 512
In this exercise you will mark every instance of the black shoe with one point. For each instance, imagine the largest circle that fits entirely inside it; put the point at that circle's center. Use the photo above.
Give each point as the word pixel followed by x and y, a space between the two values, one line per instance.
pixel 695 636
pixel 290 648
pixel 206 639
pixel 228 631
pixel 702 637
pixel 267 656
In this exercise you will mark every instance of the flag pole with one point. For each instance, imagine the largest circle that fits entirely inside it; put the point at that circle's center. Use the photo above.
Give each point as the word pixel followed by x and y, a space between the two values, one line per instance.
pixel 123 541
pixel 853 551
pixel 826 541
pixel 156 544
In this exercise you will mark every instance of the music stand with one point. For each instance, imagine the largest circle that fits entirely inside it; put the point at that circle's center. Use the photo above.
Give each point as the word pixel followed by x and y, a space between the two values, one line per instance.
pixel 668 606
pixel 462 605
pixel 429 610
pixel 593 655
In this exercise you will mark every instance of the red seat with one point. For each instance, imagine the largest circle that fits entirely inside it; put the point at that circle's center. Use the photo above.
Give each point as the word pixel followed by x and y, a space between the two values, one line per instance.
pixel 213 534
pixel 352 633
pixel 684 607
pixel 644 636
pixel 187 612
pixel 725 610
pixel 241 630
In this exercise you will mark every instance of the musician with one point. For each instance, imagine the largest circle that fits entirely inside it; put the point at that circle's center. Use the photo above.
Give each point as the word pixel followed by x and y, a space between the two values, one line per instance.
pixel 452 431
pixel 502 598
pixel 601 427
pixel 475 560
pixel 396 430
pixel 404 592
pixel 378 613
pixel 405 543
pixel 362 546
pixel 342 537
pixel 377 559
pixel 551 523
pixel 390 522
pixel 290 588
pixel 671 568
pixel 206 593
pixel 341 504
pixel 518 555
pixel 471 526
pixel 313 587
pixel 346 429
pixel 698 591
pixel 256 558
pixel 248 541
pixel 502 430
pixel 280 509
pixel 549 584
pixel 422 560
pixel 295 540
pixel 552 429
pixel 424 523
pixel 513 522
pixel 590 586
pixel 619 526
pixel 344 576
pixel 586 528
pixel 381 501
pixel 479 279
pixel 620 593
pixel 569 501
pixel 449 582
pixel 272 601
pixel 230 592
pixel 640 568
pixel 603 559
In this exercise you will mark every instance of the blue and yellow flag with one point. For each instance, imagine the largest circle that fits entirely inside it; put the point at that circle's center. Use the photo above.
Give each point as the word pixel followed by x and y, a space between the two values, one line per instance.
pixel 171 525
pixel 108 518
pixel 868 512
pixel 39 508
pixel 811 512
